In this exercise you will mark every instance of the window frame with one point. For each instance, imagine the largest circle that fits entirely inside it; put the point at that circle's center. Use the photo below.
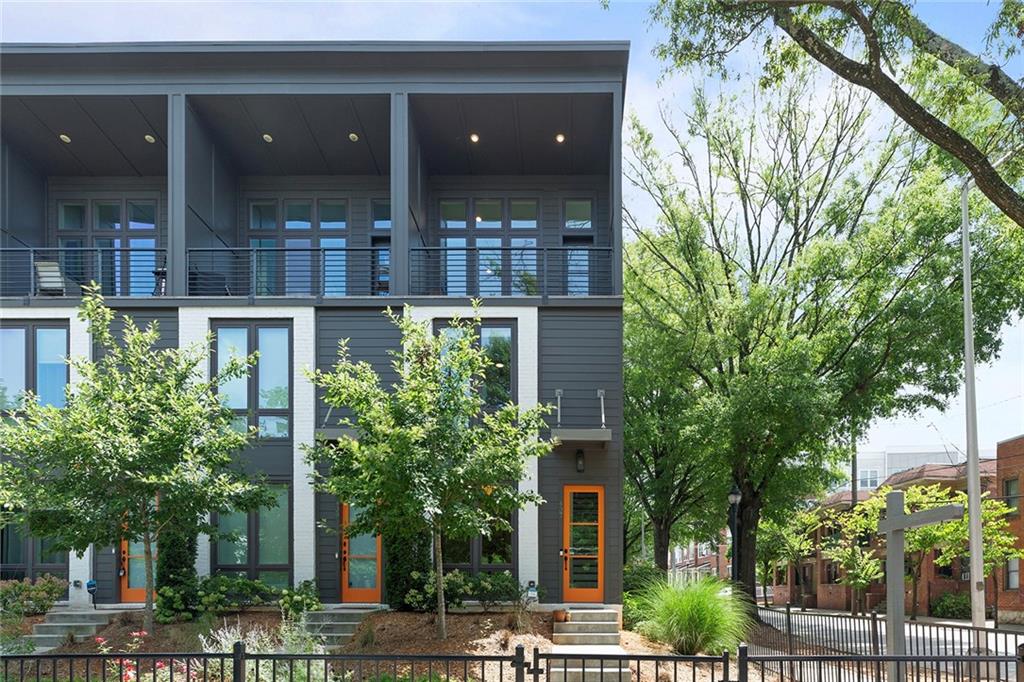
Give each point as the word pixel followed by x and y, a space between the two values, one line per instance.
pixel 476 566
pixel 440 323
pixel 252 568
pixel 1012 501
pixel 31 371
pixel 1012 570
pixel 253 411
pixel 30 567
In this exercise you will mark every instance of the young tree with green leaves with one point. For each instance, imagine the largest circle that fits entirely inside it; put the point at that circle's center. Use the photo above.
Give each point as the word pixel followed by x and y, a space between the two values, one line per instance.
pixel 803 274
pixel 962 102
pixel 849 545
pixel 428 456
pixel 143 443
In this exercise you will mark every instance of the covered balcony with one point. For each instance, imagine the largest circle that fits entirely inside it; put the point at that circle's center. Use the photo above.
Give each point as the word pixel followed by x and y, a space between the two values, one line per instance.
pixel 288 196
pixel 509 195
pixel 84 196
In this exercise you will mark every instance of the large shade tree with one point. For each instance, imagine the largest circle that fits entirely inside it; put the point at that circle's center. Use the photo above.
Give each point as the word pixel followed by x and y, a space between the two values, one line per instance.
pixel 429 456
pixel 142 444
pixel 961 100
pixel 801 266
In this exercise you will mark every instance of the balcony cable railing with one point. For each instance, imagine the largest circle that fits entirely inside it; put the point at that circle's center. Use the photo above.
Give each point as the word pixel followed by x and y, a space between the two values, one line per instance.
pixel 511 271
pixel 67 271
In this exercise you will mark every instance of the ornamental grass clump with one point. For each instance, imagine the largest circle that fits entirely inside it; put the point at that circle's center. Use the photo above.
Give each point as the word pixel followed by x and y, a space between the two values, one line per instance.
pixel 700 616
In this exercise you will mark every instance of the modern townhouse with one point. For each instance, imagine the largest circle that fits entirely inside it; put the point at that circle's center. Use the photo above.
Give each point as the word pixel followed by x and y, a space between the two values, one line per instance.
pixel 280 196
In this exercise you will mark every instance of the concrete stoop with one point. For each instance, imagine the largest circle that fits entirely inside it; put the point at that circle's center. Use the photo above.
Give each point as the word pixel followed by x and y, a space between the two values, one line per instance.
pixel 336 625
pixel 64 625
pixel 587 636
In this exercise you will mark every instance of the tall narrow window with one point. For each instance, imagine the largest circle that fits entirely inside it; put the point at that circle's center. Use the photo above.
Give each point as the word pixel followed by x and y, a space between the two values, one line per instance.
pixel 1011 493
pixel 51 365
pixel 1013 574
pixel 523 267
pixel 298 267
pixel 380 276
pixel 496 340
pixel 335 266
pixel 489 269
pixel 263 398
pixel 454 263
pixel 13 366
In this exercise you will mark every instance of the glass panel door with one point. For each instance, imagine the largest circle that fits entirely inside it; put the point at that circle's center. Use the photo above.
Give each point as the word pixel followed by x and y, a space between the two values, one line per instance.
pixel 583 543
pixel 360 562
pixel 133 571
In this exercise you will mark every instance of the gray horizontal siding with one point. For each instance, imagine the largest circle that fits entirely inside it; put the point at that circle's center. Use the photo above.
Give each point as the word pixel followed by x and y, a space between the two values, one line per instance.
pixel 166 320
pixel 371 336
pixel 581 352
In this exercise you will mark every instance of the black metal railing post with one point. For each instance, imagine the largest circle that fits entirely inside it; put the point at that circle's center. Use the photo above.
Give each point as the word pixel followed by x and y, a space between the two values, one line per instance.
pixel 789 629
pixel 741 664
pixel 519 663
pixel 876 641
pixel 238 662
pixel 536 669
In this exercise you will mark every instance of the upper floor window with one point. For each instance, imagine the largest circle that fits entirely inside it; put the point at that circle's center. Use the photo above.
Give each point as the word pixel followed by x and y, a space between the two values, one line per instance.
pixel 380 210
pixel 453 214
pixel 497 339
pixel 1011 493
pixel 297 215
pixel 523 214
pixel 489 214
pixel 263 398
pixel 579 214
pixel 869 478
pixel 33 359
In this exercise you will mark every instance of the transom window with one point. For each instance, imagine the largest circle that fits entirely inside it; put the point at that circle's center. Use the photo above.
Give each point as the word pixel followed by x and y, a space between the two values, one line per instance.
pixel 579 214
pixel 34 358
pixel 257 544
pixel 497 214
pixel 263 398
pixel 273 218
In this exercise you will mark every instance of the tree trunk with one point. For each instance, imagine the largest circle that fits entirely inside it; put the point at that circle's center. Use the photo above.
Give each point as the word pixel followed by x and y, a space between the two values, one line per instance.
pixel 915 577
pixel 764 587
pixel 661 543
pixel 749 516
pixel 442 629
pixel 147 544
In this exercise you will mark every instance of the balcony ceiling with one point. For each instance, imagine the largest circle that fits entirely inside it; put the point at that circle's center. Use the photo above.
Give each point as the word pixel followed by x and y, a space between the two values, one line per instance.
pixel 107 133
pixel 517 133
pixel 310 133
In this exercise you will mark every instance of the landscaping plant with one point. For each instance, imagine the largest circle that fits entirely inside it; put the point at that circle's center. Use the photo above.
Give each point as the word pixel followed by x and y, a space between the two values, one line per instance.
pixel 952 605
pixel 696 617
pixel 142 444
pixel 20 598
pixel 299 600
pixel 404 554
pixel 428 455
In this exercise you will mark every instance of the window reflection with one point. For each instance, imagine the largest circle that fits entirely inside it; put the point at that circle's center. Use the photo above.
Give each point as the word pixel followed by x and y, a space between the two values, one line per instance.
pixel 497 385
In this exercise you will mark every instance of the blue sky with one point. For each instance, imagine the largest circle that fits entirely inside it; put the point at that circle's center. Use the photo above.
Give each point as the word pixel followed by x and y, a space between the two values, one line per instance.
pixel 1001 385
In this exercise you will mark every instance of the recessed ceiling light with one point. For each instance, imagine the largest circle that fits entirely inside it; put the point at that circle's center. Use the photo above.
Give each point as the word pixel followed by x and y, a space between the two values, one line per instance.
pixel 353 137
pixel 479 219
pixel 149 138
pixel 560 138
pixel 65 138
pixel 474 138
pixel 267 137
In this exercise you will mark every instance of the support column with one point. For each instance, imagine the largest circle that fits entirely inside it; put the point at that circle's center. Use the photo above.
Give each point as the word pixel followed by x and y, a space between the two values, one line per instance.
pixel 399 194
pixel 615 192
pixel 79 573
pixel 176 246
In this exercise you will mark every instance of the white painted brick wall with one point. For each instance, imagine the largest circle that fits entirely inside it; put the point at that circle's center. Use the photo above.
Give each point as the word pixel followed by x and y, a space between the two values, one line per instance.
pixel 193 326
pixel 528 550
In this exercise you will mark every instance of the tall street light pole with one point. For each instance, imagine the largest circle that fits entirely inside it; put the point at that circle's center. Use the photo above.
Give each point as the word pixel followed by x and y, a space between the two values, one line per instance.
pixel 974 541
pixel 734 526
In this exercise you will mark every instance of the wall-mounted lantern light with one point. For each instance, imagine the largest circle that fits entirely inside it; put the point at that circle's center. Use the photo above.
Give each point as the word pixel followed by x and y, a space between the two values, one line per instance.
pixel 579 461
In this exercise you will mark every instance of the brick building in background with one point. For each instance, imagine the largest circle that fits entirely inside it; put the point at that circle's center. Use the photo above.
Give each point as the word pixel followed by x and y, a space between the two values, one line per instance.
pixel 1010 470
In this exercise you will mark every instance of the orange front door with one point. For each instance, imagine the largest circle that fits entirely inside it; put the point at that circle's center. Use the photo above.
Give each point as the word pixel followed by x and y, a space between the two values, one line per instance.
pixel 133 572
pixel 583 543
pixel 360 562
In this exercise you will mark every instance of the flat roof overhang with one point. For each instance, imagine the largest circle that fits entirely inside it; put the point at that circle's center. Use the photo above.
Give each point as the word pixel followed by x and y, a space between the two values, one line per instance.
pixel 374 56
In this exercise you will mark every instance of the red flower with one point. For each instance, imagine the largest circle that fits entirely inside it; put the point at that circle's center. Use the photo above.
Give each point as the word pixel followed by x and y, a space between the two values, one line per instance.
pixel 100 640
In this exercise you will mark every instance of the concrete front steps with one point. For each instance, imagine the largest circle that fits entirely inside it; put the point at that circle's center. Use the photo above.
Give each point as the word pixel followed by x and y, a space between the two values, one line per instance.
pixel 582 641
pixel 63 625
pixel 337 625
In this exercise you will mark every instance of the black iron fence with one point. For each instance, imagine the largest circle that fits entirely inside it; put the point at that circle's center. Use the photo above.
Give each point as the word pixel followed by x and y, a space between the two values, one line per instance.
pixel 241 666
pixel 511 271
pixel 792 631
pixel 133 271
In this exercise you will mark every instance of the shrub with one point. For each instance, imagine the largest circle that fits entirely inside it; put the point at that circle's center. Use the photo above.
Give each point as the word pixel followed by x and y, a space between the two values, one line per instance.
pixel 220 593
pixel 176 560
pixel 297 601
pixel 492 589
pixel 28 598
pixel 636 575
pixel 631 615
pixel 952 605
pixel 457 586
pixel 406 554
pixel 700 616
